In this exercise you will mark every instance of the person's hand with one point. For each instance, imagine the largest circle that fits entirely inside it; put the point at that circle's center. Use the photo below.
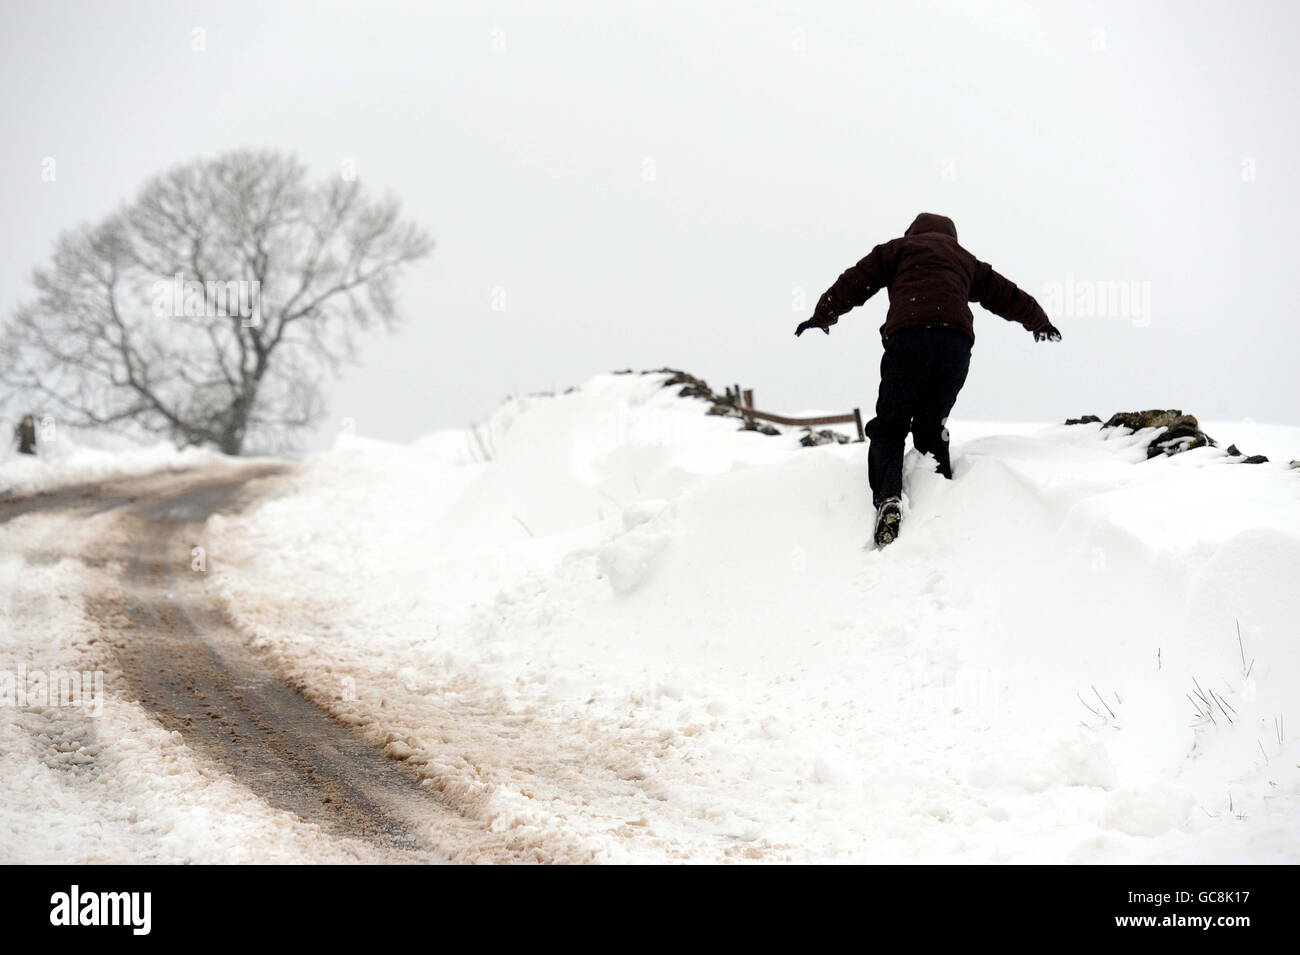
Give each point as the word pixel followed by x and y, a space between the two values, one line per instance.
pixel 1049 334
pixel 811 323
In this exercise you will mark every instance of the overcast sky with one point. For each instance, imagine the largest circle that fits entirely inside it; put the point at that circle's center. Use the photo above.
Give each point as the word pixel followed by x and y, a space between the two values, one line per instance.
pixel 643 184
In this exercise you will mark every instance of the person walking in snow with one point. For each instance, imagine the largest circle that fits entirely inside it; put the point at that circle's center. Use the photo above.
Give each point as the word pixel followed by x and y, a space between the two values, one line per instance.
pixel 928 334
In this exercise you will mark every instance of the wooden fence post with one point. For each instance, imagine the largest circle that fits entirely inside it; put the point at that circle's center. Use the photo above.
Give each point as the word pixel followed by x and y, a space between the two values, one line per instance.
pixel 742 399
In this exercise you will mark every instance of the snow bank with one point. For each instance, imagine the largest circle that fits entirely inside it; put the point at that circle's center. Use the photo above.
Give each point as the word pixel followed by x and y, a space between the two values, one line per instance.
pixel 609 627
pixel 1281 443
pixel 75 456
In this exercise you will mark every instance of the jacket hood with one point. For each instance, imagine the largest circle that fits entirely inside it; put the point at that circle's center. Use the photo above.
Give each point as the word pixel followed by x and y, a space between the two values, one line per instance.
pixel 930 222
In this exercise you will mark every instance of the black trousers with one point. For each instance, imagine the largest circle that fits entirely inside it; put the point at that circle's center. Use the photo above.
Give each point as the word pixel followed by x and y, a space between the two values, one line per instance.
pixel 921 372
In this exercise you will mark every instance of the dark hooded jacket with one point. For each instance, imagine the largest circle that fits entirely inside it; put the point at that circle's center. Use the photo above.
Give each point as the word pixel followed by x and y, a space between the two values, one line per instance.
pixel 930 279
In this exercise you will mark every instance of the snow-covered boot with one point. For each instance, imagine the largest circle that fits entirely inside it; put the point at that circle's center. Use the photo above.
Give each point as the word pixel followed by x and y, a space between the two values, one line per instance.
pixel 888 517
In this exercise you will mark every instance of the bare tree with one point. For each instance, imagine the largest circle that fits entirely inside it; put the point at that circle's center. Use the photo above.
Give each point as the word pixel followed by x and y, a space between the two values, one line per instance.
pixel 208 308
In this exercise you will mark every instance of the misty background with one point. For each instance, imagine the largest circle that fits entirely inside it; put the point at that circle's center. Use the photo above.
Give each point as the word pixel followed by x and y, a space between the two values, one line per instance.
pixel 640 184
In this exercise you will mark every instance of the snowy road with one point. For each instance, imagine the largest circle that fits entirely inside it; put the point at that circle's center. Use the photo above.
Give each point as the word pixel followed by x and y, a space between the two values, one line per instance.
pixel 195 676
pixel 177 657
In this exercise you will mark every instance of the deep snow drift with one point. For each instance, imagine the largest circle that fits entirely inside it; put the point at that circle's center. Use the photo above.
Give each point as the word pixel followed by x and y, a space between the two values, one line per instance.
pixel 610 627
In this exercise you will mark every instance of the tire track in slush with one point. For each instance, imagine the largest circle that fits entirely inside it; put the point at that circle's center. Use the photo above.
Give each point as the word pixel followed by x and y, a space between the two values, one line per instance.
pixel 184 662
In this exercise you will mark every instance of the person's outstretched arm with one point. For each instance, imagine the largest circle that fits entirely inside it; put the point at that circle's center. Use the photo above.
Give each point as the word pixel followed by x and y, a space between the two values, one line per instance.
pixel 1004 298
pixel 855 285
